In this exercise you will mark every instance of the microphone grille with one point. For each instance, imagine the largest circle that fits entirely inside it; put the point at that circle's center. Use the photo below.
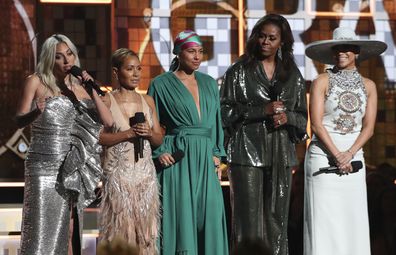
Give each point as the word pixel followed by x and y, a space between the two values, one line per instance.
pixel 138 118
pixel 356 165
pixel 76 71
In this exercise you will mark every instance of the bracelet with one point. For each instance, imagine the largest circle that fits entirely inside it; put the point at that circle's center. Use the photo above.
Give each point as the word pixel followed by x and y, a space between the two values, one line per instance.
pixel 351 153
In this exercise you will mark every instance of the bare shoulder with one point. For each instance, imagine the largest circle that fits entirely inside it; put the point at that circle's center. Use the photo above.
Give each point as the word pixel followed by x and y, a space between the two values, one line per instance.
pixel 33 81
pixel 322 78
pixel 149 100
pixel 369 85
pixel 320 82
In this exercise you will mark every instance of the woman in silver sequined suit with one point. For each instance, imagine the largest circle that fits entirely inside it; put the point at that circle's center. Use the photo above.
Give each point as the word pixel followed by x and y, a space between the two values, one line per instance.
pixel 264 113
pixel 62 167
pixel 343 108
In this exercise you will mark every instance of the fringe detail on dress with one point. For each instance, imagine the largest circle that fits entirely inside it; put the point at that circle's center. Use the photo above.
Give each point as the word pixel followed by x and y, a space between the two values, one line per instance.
pixel 130 206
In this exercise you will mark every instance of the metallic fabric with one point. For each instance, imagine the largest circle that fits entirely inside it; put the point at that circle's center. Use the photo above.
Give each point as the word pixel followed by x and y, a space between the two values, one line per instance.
pixel 61 170
pixel 254 143
pixel 253 217
pixel 252 138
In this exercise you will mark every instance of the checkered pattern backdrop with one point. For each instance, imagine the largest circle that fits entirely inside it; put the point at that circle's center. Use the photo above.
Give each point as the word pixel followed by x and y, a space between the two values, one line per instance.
pixel 218 28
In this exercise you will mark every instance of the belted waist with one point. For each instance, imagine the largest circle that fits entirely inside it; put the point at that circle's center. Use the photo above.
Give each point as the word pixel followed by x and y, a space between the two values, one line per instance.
pixel 181 133
pixel 192 130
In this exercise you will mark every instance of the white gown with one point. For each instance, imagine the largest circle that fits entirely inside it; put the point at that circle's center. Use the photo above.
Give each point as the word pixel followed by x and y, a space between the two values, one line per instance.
pixel 335 207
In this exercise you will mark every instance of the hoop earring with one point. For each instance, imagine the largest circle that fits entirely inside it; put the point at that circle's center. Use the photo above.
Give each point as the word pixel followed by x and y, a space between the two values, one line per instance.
pixel 279 53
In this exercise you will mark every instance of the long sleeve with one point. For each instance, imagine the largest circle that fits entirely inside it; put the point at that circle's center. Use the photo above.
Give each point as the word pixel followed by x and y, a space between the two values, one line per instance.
pixel 233 110
pixel 297 118
pixel 217 131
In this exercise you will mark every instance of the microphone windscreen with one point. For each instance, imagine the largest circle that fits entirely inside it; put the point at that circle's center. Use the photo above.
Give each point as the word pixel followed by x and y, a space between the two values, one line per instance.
pixel 356 165
pixel 274 92
pixel 138 118
pixel 75 71
pixel 178 155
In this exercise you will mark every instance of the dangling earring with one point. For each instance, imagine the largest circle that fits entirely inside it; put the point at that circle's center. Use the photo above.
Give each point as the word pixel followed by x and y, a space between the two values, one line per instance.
pixel 279 53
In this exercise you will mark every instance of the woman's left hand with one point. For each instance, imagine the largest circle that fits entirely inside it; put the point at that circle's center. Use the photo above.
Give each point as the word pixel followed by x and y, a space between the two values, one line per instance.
pixel 143 129
pixel 279 119
pixel 217 164
pixel 343 158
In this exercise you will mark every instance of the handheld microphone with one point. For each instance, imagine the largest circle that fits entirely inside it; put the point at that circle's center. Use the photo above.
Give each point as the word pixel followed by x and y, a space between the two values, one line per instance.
pixel 356 166
pixel 76 71
pixel 138 118
pixel 178 155
pixel 274 92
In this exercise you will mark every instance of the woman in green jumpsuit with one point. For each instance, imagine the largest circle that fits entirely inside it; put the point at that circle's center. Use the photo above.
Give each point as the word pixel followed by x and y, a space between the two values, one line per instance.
pixel 187 101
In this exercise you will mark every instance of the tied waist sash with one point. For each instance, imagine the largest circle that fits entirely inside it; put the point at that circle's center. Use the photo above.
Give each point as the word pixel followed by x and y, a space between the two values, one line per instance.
pixel 182 132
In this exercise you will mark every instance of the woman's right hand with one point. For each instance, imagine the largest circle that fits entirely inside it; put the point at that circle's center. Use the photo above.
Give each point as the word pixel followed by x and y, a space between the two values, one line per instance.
pixel 343 160
pixel 274 107
pixel 166 159
pixel 40 104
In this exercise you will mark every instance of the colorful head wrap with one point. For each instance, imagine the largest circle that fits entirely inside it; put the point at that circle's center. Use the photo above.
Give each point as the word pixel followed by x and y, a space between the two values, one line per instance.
pixel 186 39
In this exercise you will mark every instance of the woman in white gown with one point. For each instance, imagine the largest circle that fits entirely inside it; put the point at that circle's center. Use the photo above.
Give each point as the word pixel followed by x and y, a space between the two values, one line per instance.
pixel 343 110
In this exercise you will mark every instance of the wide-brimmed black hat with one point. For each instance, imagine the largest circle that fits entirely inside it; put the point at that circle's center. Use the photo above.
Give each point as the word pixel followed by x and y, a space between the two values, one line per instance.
pixel 322 50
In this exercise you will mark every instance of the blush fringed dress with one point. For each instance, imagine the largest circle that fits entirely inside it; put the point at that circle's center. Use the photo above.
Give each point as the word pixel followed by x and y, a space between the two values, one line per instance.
pixel 193 216
pixel 130 202
pixel 62 169
pixel 335 207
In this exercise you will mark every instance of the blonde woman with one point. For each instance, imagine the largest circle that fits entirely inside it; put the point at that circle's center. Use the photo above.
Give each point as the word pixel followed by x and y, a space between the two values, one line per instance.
pixel 62 167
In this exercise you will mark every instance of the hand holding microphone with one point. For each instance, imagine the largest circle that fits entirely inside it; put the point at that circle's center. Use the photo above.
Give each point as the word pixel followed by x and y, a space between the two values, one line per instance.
pixel 135 120
pixel 356 166
pixel 166 160
pixel 276 107
pixel 90 84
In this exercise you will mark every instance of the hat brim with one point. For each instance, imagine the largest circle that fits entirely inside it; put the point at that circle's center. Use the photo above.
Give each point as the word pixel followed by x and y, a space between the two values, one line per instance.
pixel 322 50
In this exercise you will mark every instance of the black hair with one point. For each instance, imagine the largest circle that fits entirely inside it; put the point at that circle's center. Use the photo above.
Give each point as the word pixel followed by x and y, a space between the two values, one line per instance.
pixel 252 50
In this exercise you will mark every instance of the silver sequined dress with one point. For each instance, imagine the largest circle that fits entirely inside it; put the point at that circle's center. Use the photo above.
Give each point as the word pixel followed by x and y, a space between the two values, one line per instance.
pixel 62 169
pixel 335 207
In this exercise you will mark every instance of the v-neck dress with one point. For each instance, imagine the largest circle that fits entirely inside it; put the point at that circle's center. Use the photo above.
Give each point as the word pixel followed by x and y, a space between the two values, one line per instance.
pixel 130 201
pixel 193 219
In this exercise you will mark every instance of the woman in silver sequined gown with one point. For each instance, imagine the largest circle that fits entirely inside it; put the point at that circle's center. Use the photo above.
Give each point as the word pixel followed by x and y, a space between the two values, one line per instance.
pixel 62 167
pixel 130 200
pixel 343 108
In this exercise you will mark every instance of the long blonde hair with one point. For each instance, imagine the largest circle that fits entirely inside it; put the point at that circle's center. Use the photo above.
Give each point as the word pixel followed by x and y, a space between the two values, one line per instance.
pixel 46 63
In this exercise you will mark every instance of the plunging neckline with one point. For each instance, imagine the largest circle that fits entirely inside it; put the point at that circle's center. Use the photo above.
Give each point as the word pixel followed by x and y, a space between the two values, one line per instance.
pixel 122 111
pixel 197 109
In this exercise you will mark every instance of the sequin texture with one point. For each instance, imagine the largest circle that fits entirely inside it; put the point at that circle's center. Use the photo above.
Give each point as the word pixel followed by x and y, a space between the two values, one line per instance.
pixel 62 169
